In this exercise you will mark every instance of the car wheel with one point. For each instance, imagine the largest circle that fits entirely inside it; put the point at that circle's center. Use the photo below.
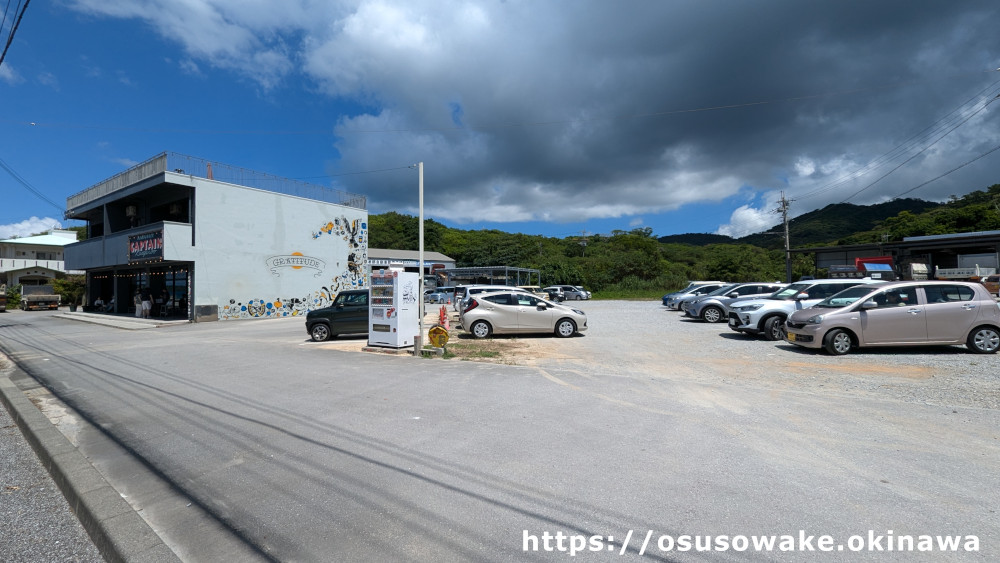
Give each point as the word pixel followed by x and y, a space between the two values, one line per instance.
pixel 774 328
pixel 320 332
pixel 565 328
pixel 712 314
pixel 984 340
pixel 481 329
pixel 577 298
pixel 837 342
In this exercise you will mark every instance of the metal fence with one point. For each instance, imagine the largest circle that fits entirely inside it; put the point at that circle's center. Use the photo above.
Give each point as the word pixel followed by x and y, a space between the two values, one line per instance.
pixel 193 166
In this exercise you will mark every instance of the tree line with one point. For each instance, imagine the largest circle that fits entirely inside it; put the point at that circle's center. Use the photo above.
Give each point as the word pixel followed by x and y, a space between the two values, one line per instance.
pixel 622 263
pixel 636 263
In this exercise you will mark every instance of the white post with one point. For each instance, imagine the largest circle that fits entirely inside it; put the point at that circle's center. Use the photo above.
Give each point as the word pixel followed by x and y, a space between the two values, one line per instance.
pixel 420 258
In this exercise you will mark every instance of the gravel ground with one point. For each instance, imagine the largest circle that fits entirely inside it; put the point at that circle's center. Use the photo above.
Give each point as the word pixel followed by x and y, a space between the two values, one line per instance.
pixel 36 523
pixel 632 338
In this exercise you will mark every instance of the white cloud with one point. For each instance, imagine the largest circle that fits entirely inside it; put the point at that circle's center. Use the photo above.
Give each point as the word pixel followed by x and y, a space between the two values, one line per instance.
pixel 28 227
pixel 750 218
pixel 125 162
pixel 48 79
pixel 9 75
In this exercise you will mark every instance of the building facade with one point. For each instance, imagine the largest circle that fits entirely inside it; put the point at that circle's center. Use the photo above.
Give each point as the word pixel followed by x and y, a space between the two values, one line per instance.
pixel 216 242
pixel 34 260
pixel 930 254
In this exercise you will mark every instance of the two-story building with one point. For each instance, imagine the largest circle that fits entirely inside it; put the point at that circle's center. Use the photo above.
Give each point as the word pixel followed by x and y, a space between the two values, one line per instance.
pixel 215 242
pixel 34 260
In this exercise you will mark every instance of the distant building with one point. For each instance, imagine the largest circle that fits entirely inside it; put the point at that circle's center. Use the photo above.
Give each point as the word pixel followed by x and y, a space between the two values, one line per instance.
pixel 933 255
pixel 34 260
pixel 220 242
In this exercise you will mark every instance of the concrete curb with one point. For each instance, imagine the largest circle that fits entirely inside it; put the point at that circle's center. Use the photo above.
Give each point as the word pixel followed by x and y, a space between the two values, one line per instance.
pixel 117 321
pixel 119 533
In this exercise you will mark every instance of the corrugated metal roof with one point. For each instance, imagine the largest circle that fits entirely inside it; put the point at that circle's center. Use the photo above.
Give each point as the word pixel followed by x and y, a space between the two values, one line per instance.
pixel 43 240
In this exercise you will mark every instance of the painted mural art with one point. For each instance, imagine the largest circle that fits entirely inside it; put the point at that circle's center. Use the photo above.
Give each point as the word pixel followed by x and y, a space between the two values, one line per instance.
pixel 353 275
pixel 295 261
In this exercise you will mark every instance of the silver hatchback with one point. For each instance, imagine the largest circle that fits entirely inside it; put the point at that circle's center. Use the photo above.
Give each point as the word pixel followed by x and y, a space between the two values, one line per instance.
pixel 900 314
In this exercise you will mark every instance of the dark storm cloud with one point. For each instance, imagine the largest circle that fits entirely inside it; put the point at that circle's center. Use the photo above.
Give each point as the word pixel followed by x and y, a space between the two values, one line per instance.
pixel 567 111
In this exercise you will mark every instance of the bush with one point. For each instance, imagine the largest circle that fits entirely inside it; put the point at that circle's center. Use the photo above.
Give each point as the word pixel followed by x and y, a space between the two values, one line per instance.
pixel 14 295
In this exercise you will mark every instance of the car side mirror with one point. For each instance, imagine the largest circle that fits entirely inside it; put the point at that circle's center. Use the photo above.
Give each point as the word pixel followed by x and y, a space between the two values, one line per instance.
pixel 870 304
pixel 733 294
pixel 802 295
pixel 542 306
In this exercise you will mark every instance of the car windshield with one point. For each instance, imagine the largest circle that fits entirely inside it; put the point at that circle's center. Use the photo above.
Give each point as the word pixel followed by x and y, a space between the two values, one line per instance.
pixel 722 290
pixel 790 292
pixel 844 298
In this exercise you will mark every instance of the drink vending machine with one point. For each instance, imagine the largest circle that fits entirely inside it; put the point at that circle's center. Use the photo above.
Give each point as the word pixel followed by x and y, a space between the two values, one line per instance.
pixel 394 309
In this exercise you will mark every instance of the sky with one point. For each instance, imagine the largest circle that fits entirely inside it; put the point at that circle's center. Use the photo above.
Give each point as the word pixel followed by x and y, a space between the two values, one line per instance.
pixel 544 117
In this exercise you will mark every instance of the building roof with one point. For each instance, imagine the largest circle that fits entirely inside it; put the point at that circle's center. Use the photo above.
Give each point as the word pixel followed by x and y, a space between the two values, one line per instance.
pixel 393 254
pixel 55 237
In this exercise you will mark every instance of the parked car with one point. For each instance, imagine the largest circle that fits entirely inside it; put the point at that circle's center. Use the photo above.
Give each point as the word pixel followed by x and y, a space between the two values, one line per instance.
pixel 555 293
pixel 442 294
pixel 900 314
pixel 347 315
pixel 513 312
pixel 766 316
pixel 574 292
pixel 693 288
pixel 684 301
pixel 469 290
pixel 714 308
pixel 992 284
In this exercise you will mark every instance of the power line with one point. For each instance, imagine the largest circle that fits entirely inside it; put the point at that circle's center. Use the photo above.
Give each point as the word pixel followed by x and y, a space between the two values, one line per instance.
pixel 921 151
pixel 28 186
pixel 13 29
pixel 912 142
pixel 991 151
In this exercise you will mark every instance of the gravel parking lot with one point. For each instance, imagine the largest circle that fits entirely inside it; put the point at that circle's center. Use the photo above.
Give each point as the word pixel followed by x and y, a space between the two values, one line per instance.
pixel 643 339
pixel 646 421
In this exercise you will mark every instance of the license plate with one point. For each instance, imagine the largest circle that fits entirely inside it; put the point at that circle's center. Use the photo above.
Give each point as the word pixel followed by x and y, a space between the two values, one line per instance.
pixel 791 337
pixel 733 321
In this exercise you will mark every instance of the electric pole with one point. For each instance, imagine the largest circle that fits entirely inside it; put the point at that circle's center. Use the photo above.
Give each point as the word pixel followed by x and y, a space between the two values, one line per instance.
pixel 783 209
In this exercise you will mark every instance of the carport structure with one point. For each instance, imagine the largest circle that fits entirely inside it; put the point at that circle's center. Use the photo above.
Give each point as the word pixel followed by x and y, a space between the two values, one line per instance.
pixel 496 275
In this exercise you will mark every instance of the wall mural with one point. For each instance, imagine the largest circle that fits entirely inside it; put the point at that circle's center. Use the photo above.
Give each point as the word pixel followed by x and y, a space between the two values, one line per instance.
pixel 353 276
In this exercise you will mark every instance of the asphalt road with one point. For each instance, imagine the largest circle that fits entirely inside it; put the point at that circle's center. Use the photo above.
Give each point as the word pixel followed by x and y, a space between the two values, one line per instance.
pixel 291 450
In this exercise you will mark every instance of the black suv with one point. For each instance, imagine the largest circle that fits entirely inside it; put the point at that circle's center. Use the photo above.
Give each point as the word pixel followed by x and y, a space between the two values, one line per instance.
pixel 347 315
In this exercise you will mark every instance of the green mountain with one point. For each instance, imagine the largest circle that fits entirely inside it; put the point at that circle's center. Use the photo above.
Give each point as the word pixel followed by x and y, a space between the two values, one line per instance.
pixel 824 226
pixel 835 222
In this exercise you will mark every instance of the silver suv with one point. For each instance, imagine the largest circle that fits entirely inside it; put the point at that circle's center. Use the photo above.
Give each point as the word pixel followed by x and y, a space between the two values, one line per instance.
pixel 766 316
pixel 713 308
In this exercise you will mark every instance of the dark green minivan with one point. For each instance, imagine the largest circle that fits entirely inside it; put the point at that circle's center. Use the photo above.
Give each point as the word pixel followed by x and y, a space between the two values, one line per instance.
pixel 347 315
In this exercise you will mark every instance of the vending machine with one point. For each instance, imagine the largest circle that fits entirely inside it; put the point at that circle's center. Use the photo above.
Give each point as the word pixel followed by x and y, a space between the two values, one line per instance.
pixel 394 308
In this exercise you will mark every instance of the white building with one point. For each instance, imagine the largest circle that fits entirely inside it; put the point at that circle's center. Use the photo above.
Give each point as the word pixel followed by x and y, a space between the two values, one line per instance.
pixel 34 260
pixel 218 242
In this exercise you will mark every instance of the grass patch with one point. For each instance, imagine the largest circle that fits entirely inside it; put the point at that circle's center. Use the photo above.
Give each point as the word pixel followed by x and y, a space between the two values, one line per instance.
pixel 501 349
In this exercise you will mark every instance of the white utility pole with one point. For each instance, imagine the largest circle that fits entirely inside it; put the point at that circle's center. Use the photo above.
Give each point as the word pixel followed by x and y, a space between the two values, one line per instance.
pixel 419 342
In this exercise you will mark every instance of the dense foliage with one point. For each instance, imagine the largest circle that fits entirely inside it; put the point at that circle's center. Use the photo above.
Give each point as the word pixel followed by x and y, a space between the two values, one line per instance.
pixel 624 262
pixel 70 287
pixel 637 263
